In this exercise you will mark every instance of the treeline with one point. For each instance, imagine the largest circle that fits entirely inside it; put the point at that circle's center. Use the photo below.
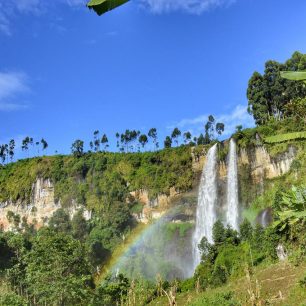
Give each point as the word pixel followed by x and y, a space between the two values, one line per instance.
pixel 7 151
pixel 271 97
pixel 135 141
pixel 128 141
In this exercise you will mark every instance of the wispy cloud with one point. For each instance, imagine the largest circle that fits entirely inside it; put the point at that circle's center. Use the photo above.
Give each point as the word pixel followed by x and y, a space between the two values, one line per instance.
pixel 189 6
pixel 11 9
pixel 239 116
pixel 12 84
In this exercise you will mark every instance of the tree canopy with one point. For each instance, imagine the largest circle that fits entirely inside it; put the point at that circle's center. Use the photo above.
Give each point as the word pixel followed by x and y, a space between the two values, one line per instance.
pixel 269 93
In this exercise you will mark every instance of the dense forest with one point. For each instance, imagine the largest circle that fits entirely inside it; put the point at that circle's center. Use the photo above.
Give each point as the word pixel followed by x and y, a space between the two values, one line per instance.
pixel 58 264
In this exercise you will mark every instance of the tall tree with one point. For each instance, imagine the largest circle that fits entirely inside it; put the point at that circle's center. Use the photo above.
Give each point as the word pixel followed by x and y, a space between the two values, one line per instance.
pixel 11 149
pixel 25 144
pixel 187 137
pixel 143 140
pixel 118 140
pixel 104 141
pixel 37 143
pixel 44 144
pixel 77 148
pixel 268 93
pixel 220 128
pixel 168 142
pixel 96 141
pixel 3 152
pixel 153 135
pixel 176 133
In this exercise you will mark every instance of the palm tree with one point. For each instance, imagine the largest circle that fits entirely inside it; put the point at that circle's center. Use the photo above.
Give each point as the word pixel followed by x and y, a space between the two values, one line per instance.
pixel 103 6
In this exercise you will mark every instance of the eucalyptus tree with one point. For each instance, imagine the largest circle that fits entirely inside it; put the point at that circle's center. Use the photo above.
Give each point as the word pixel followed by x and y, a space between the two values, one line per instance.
pixel 31 142
pixel 25 144
pixel 91 145
pixel 143 140
pixel 37 143
pixel 104 142
pixel 77 148
pixel 3 152
pixel 168 142
pixel 96 141
pixel 11 149
pixel 118 141
pixel 153 135
pixel 44 144
pixel 220 128
pixel 187 137
pixel 176 133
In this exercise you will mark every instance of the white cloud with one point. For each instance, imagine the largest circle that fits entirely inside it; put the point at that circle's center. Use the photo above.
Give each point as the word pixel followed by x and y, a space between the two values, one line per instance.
pixel 10 9
pixel 239 116
pixel 190 6
pixel 11 85
pixel 10 107
pixel 76 2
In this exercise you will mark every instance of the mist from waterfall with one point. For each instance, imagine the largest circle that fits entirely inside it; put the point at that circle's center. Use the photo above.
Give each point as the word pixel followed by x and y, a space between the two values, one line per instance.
pixel 232 212
pixel 206 209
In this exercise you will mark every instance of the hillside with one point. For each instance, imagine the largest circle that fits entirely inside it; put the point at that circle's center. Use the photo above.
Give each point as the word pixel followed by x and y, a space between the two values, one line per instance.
pixel 101 199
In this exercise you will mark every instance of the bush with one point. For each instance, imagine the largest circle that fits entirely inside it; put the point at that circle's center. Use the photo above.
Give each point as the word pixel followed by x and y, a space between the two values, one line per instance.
pixel 12 299
pixel 219 299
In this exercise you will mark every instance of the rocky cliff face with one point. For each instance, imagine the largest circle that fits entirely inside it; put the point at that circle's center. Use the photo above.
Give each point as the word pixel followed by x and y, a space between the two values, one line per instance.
pixel 40 209
pixel 255 166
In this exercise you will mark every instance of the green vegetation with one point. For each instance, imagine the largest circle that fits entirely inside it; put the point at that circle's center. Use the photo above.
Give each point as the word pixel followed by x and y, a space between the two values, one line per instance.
pixel 103 6
pixel 269 94
pixel 97 180
pixel 286 137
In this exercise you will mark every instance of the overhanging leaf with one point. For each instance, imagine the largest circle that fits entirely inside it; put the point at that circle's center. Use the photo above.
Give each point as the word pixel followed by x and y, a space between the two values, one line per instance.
pixel 294 75
pixel 103 6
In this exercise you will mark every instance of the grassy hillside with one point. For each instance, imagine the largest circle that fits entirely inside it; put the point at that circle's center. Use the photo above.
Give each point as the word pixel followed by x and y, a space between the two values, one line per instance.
pixel 276 284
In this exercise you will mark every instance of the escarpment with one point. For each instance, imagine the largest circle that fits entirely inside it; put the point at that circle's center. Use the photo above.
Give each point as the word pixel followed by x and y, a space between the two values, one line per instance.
pixel 255 167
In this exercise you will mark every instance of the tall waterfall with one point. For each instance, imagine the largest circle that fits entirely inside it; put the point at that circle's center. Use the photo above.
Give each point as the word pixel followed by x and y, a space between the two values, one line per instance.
pixel 206 213
pixel 232 213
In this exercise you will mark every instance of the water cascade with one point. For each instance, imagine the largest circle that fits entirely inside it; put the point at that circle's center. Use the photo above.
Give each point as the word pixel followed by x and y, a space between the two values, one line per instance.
pixel 232 213
pixel 206 209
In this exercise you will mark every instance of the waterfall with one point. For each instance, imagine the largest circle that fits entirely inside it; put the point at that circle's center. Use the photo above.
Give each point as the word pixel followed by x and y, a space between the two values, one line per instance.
pixel 232 213
pixel 206 213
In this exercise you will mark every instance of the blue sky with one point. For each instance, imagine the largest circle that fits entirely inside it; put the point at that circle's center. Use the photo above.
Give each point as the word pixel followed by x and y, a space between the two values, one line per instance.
pixel 65 72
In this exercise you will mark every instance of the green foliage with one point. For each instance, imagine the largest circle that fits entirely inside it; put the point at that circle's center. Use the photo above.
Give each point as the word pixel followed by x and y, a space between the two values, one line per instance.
pixel 112 291
pixel 56 270
pixel 97 180
pixel 103 6
pixel 286 137
pixel 269 93
pixel 290 209
pixel 231 253
pixel 219 299
pixel 12 299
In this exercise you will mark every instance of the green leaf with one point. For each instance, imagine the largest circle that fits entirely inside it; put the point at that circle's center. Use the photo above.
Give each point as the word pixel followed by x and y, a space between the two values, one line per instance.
pixel 294 75
pixel 103 6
